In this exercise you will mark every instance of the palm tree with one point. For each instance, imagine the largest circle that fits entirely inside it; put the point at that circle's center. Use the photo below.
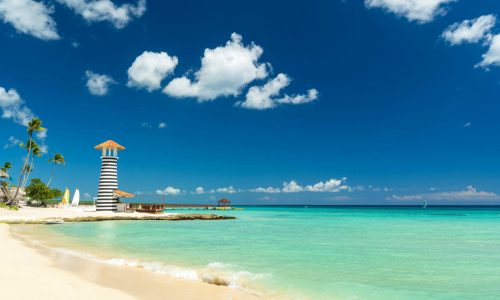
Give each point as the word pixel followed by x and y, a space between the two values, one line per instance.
pixel 34 125
pixel 58 159
pixel 36 152
pixel 6 166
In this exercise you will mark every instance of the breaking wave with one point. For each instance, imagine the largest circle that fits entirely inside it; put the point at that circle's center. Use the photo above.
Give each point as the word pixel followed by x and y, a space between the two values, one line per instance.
pixel 217 273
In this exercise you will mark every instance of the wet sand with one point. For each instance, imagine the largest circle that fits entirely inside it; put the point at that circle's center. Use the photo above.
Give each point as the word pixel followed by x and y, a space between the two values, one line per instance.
pixel 31 272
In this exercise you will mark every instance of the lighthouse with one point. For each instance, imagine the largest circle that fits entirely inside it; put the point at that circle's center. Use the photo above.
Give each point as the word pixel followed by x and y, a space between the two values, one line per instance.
pixel 107 196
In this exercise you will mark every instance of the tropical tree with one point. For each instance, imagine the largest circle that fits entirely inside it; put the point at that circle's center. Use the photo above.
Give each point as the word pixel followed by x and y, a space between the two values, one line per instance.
pixel 39 193
pixel 58 159
pixel 36 152
pixel 6 166
pixel 34 125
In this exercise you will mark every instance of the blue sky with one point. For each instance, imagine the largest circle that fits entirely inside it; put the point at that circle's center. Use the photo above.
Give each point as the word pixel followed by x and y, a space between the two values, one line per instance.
pixel 282 102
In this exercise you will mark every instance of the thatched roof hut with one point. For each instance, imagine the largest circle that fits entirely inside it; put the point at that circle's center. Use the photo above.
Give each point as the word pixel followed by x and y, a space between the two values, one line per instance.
pixel 123 194
pixel 224 203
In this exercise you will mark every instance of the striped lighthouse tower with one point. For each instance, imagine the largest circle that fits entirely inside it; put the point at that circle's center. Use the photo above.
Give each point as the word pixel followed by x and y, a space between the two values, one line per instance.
pixel 108 182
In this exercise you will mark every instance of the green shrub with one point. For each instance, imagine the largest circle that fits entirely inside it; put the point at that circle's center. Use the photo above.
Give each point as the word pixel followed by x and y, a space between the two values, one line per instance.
pixel 13 207
pixel 39 193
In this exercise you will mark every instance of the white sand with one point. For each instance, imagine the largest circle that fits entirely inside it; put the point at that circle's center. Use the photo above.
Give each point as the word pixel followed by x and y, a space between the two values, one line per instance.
pixel 27 213
pixel 28 272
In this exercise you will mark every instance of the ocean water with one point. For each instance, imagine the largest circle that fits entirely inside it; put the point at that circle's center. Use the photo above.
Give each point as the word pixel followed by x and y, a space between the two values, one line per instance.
pixel 311 252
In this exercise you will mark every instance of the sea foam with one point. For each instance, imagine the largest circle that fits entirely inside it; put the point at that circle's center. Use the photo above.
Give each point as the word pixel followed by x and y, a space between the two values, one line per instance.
pixel 217 273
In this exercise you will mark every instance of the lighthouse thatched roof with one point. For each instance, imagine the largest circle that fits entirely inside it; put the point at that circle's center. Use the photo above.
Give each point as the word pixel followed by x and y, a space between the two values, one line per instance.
pixel 123 194
pixel 110 144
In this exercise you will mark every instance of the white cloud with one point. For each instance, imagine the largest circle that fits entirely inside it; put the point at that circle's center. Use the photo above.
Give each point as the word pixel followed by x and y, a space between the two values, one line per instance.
pixel 311 95
pixel 264 97
pixel 44 148
pixel 97 84
pixel 149 69
pixel 469 31
pixel 492 56
pixel 146 125
pixel 199 190
pixel 224 71
pixel 332 186
pixel 470 193
pixel 29 17
pixel 467 124
pixel 359 188
pixel 162 125
pixel 421 11
pixel 87 195
pixel 270 190
pixel 12 142
pixel 105 10
pixel 42 135
pixel 13 107
pixel 226 190
pixel 292 187
pixel 169 191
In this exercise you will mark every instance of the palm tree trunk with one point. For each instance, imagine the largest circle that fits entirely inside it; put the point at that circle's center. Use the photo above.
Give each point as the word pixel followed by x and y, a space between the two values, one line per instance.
pixel 51 176
pixel 28 172
pixel 23 170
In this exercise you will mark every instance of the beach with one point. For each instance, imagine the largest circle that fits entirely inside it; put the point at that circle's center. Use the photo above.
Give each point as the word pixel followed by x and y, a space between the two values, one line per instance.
pixel 30 271
pixel 283 252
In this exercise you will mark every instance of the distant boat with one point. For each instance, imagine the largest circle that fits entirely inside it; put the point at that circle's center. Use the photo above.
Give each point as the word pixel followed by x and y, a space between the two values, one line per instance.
pixel 65 198
pixel 76 198
pixel 425 204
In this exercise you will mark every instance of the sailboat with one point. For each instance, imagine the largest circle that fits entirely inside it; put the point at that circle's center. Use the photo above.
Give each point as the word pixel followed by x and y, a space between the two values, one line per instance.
pixel 425 204
pixel 76 198
pixel 65 198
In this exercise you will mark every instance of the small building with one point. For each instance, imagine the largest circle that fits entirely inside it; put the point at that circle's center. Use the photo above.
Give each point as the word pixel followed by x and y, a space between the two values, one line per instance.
pixel 147 208
pixel 120 206
pixel 224 203
pixel 7 193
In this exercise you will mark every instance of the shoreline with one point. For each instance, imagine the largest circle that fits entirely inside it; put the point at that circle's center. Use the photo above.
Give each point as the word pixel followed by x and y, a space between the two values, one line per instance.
pixel 51 274
pixel 36 215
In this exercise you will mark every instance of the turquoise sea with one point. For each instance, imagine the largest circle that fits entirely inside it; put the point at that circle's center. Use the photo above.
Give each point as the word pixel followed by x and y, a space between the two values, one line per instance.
pixel 312 252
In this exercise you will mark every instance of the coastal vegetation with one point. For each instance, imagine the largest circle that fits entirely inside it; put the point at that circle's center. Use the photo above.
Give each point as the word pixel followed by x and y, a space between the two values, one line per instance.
pixel 37 193
pixel 11 207
pixel 35 125
pixel 58 159
pixel 6 166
